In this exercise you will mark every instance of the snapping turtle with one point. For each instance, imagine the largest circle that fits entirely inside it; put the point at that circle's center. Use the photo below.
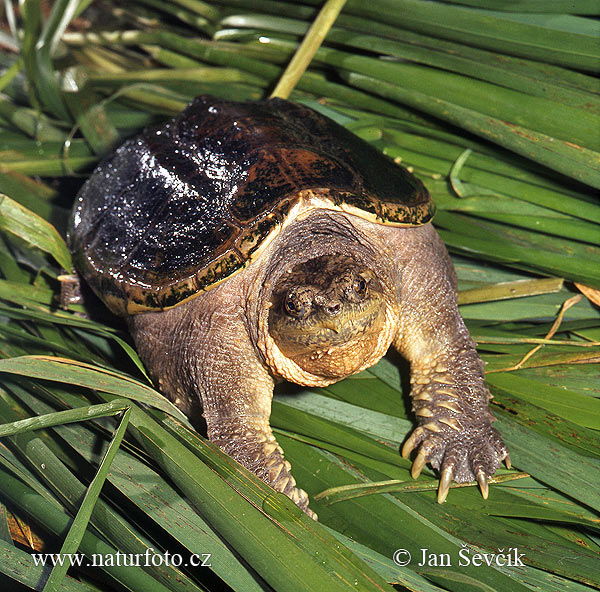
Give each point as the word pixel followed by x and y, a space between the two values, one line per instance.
pixel 252 242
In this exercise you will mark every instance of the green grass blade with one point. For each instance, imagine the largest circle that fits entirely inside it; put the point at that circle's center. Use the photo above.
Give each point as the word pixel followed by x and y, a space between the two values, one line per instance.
pixel 20 567
pixel 148 490
pixel 509 290
pixel 374 521
pixel 80 522
pixel 577 162
pixel 539 39
pixel 73 372
pixel 503 243
pixel 522 75
pixel 39 65
pixel 53 519
pixel 570 473
pixel 95 125
pixel 30 121
pixel 250 527
pixel 577 408
pixel 560 6
pixel 171 455
pixel 17 220
pixel 64 417
pixel 113 527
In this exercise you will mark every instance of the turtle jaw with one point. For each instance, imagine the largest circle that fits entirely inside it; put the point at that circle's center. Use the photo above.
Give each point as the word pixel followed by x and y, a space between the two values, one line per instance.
pixel 333 357
pixel 327 316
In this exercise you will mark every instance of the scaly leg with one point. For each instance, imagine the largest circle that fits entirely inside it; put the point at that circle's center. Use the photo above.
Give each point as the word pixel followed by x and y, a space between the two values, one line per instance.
pixel 203 359
pixel 250 441
pixel 449 394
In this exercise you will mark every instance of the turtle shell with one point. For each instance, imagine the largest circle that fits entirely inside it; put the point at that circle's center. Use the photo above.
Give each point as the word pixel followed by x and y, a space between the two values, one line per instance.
pixel 180 208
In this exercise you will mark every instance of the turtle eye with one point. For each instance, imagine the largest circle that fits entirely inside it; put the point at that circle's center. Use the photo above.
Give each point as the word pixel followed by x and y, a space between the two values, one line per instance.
pixel 294 307
pixel 360 286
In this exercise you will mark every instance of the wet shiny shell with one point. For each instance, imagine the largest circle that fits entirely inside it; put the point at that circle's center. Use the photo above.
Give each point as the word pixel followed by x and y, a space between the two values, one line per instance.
pixel 178 209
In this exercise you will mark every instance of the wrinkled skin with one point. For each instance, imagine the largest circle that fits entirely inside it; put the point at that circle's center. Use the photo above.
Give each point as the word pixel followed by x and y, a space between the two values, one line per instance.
pixel 301 313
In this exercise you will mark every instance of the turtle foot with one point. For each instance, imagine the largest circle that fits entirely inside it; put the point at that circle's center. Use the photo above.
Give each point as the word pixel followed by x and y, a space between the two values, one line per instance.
pixel 261 454
pixel 469 455
pixel 276 473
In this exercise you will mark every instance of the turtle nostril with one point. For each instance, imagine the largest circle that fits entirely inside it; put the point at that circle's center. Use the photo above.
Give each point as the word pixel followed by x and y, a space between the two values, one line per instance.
pixel 334 309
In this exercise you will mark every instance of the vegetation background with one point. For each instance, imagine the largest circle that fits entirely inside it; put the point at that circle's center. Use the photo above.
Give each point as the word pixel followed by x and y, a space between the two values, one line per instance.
pixel 495 107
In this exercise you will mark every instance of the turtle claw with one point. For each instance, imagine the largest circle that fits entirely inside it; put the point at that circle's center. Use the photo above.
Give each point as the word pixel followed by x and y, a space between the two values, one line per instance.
pixel 310 513
pixel 445 480
pixel 418 464
pixel 483 484
pixel 464 458
pixel 300 498
pixel 282 480
pixel 260 453
pixel 507 461
pixel 413 441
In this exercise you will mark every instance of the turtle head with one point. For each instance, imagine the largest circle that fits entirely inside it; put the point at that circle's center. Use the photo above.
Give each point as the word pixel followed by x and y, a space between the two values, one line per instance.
pixel 326 315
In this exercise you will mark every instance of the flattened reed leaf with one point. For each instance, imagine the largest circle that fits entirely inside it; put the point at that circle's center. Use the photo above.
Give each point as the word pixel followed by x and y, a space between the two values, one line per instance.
pixel 30 121
pixel 243 529
pixel 374 521
pixel 245 526
pixel 17 220
pixel 20 567
pixel 513 246
pixel 84 512
pixel 148 490
pixel 523 75
pixel 509 290
pixel 63 417
pixel 116 529
pixel 560 6
pixel 88 376
pixel 387 568
pixel 46 319
pixel 56 521
pixel 538 512
pixel 538 39
pixel 88 111
pixel 577 408
pixel 568 158
pixel 553 464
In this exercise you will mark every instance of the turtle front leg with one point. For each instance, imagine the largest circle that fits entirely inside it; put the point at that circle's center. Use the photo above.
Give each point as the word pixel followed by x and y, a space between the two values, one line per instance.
pixel 201 356
pixel 236 407
pixel 236 392
pixel 454 433
pixel 250 441
pixel 449 395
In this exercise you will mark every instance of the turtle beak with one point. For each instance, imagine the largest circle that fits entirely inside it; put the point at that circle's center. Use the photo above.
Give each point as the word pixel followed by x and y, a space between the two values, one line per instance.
pixel 328 324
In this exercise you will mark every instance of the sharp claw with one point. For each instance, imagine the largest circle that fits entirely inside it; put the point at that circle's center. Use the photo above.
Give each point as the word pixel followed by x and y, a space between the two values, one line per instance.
pixel 410 444
pixel 483 484
pixel 311 514
pixel 507 461
pixel 445 481
pixel 419 463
